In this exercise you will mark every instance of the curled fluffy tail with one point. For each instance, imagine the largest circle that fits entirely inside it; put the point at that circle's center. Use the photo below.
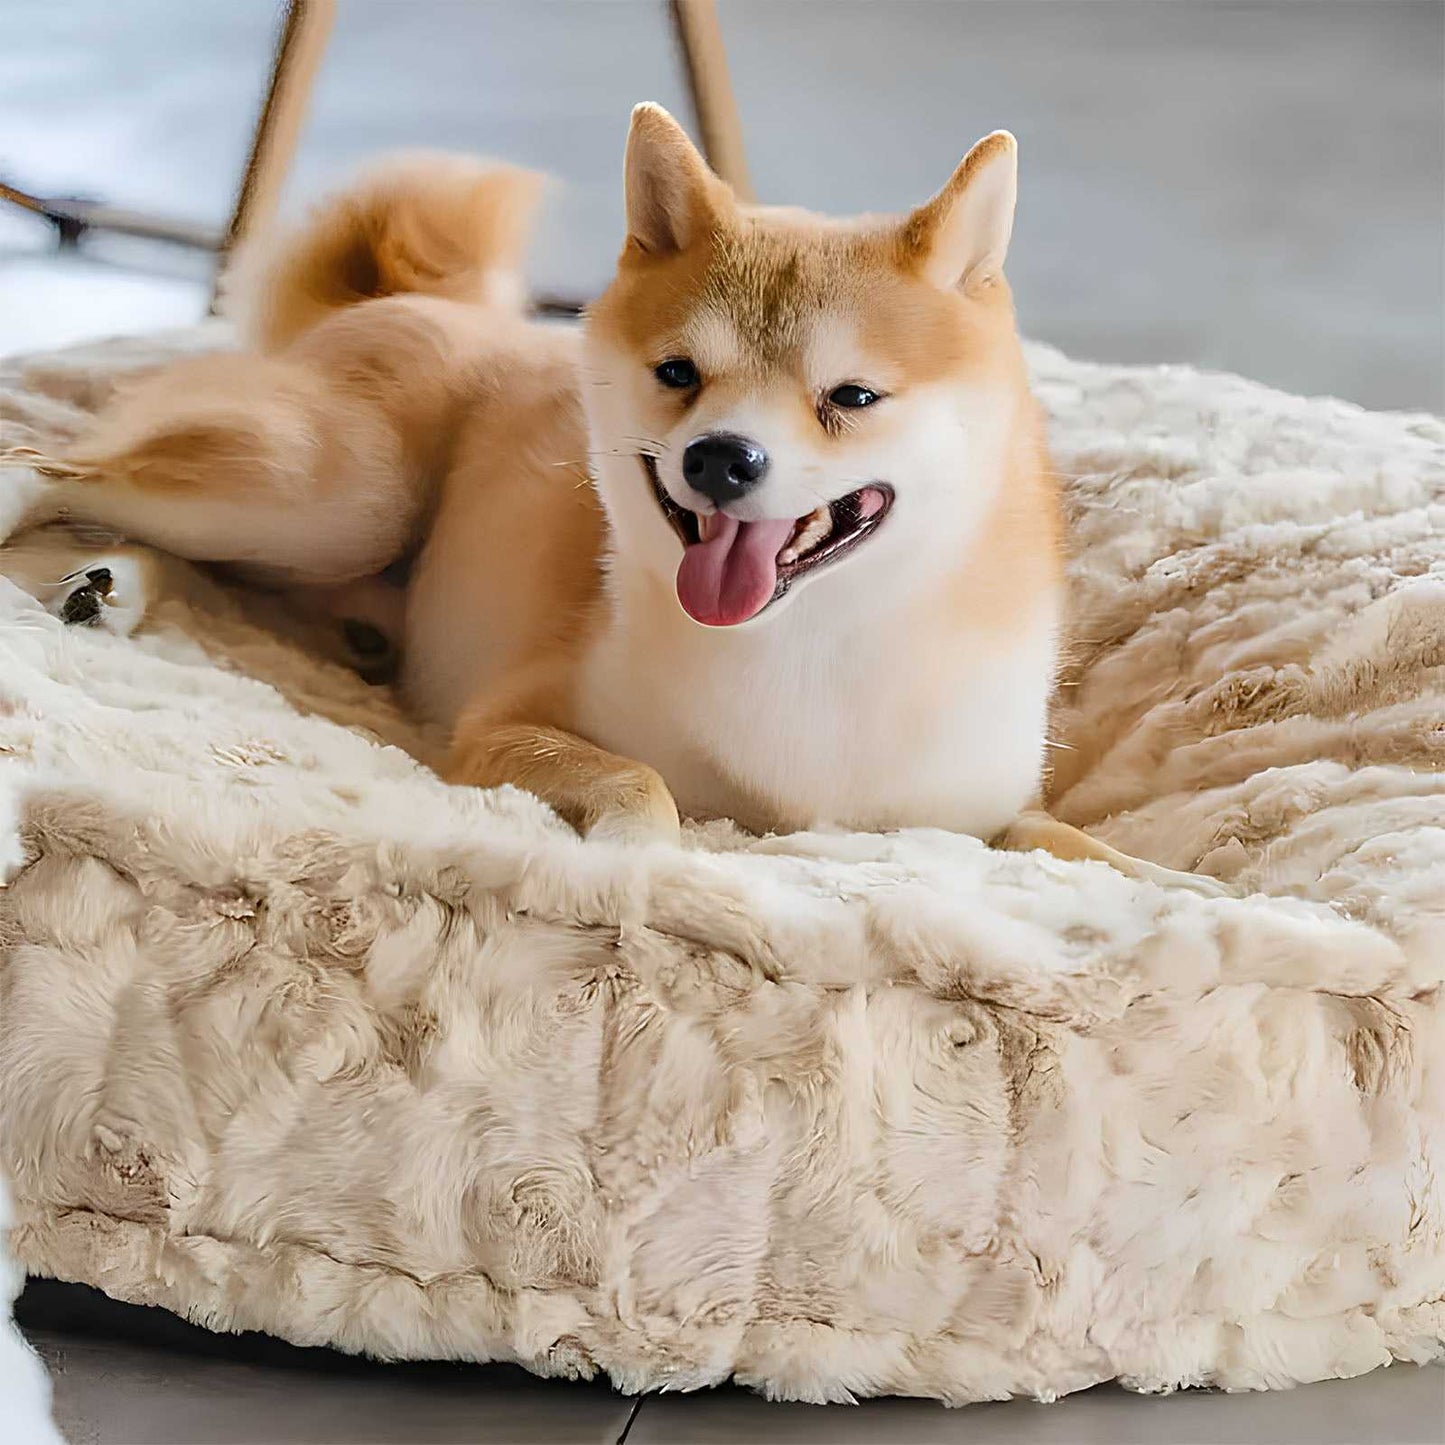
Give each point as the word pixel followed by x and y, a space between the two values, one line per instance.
pixel 424 223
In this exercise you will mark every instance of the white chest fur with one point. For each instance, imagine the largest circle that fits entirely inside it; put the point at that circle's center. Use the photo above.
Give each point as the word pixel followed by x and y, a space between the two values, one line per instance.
pixel 810 718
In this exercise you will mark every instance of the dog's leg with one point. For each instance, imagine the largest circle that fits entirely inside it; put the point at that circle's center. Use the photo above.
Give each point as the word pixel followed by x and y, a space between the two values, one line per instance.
pixel 1037 830
pixel 597 792
pixel 242 459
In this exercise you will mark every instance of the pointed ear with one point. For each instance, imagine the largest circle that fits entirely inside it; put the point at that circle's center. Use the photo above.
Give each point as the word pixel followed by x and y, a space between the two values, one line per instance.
pixel 672 196
pixel 961 236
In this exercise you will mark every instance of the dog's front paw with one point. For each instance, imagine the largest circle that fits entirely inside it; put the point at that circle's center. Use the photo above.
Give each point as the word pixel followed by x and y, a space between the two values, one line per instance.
pixel 640 811
pixel 1199 884
pixel 1036 829
pixel 635 830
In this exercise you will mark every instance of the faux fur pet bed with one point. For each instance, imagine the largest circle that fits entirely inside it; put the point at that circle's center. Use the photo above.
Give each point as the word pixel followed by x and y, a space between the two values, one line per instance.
pixel 295 1038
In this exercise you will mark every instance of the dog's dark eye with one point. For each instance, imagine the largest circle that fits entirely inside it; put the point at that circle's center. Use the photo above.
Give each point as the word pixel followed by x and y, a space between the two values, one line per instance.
pixel 851 396
pixel 679 373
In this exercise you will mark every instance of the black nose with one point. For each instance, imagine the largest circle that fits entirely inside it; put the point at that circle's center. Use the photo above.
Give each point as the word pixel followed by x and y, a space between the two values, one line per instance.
pixel 724 467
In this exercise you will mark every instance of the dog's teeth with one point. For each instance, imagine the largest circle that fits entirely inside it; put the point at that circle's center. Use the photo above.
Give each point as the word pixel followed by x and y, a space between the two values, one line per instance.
pixel 814 528
pixel 707 525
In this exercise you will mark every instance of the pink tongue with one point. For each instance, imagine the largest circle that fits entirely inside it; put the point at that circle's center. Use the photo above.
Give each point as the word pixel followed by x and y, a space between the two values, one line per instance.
pixel 733 575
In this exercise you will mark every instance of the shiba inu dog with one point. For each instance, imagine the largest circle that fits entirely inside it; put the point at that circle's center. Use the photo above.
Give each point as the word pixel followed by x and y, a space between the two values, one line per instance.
pixel 773 537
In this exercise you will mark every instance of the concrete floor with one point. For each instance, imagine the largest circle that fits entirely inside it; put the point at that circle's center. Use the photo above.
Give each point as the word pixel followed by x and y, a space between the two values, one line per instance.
pixel 130 1376
pixel 1259 187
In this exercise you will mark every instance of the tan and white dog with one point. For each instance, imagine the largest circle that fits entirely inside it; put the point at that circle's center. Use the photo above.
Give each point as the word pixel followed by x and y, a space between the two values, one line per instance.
pixel 774 537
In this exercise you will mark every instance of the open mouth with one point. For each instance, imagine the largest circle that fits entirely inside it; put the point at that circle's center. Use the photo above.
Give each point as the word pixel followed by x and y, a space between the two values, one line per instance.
pixel 732 570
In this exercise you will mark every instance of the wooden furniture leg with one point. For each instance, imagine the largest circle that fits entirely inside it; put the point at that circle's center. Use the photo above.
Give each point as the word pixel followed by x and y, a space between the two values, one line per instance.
pixel 699 37
pixel 299 49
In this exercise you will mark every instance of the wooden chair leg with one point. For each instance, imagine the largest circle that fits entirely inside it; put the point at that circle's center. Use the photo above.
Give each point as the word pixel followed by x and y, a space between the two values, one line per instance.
pixel 299 48
pixel 699 37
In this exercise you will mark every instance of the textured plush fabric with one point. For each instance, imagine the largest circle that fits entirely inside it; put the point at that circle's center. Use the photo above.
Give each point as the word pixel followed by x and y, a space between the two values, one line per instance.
pixel 295 1038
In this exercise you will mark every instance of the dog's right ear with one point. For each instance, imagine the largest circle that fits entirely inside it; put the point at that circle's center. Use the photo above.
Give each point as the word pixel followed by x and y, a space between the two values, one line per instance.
pixel 672 196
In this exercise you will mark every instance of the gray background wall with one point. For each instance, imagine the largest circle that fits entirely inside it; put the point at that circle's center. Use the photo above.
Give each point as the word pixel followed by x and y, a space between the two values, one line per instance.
pixel 1255 186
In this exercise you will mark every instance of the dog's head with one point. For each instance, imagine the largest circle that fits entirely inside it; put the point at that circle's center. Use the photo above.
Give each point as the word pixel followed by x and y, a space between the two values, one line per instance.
pixel 780 400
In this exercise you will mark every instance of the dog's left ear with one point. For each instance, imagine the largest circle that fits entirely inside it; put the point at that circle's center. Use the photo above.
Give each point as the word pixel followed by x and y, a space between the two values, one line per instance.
pixel 960 237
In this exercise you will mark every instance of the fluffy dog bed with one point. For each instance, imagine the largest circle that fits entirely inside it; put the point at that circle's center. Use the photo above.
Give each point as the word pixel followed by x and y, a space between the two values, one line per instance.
pixel 294 1038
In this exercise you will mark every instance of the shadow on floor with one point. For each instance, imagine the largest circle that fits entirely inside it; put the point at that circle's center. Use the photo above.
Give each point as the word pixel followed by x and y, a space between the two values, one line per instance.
pixel 127 1375
pixel 131 1375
